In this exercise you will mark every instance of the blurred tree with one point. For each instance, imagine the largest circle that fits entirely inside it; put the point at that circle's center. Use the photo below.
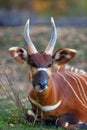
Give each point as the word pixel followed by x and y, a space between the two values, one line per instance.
pixel 49 7
pixel 5 3
pixel 22 4
pixel 60 7
pixel 41 6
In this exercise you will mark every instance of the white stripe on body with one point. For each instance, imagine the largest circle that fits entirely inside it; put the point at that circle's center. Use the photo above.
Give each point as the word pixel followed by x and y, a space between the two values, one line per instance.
pixel 79 76
pixel 78 73
pixel 73 69
pixel 46 108
pixel 76 81
pixel 70 85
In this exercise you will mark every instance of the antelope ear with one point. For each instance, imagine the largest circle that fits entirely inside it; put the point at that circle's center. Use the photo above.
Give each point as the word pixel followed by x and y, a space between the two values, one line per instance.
pixel 19 53
pixel 63 56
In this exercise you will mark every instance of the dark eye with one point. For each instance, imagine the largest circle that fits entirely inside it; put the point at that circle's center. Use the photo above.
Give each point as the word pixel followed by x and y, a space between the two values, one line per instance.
pixel 50 65
pixel 33 65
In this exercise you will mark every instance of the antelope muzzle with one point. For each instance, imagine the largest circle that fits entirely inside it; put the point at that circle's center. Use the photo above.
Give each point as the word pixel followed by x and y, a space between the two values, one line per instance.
pixel 40 81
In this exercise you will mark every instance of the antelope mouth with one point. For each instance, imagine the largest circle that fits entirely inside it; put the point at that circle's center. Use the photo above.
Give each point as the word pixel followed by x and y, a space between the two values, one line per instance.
pixel 39 89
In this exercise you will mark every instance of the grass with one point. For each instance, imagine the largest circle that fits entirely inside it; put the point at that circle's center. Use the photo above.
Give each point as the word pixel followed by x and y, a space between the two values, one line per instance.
pixel 11 119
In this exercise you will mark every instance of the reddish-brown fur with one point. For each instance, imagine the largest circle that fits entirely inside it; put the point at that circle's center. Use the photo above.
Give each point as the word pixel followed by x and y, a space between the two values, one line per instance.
pixel 58 89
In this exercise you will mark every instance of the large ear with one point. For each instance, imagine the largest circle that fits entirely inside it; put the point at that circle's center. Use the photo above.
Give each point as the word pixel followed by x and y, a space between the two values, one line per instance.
pixel 19 53
pixel 63 56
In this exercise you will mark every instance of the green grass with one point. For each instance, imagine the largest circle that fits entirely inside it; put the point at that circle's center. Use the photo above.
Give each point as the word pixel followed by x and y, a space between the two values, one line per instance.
pixel 26 127
pixel 11 119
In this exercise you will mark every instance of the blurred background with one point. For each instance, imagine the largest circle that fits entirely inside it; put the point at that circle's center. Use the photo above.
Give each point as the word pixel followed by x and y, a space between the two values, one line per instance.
pixel 68 12
pixel 71 21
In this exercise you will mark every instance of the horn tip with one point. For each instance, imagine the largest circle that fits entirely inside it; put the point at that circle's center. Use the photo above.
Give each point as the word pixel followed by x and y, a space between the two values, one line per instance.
pixel 28 21
pixel 52 20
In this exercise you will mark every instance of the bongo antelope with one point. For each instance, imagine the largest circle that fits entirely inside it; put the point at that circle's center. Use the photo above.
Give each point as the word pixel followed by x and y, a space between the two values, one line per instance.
pixel 60 94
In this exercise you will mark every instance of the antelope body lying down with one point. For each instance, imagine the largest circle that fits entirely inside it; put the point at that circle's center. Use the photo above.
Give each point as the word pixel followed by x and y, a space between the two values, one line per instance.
pixel 59 95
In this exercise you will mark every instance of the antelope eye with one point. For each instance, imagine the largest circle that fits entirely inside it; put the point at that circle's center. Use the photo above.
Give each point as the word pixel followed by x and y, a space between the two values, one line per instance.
pixel 50 65
pixel 33 64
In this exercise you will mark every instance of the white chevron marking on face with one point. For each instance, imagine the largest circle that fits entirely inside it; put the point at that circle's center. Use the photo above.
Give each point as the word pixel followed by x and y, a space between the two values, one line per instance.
pixel 40 69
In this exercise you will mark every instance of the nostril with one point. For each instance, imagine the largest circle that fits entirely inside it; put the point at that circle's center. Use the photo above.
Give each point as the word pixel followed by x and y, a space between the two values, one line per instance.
pixel 43 83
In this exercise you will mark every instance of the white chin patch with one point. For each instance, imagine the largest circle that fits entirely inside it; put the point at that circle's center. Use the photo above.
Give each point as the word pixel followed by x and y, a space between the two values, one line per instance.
pixel 38 89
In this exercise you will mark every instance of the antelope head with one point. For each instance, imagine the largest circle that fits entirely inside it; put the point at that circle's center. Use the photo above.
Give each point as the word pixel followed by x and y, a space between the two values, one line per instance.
pixel 41 62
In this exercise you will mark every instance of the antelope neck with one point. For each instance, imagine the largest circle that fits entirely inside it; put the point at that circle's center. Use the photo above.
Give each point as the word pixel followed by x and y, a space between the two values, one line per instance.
pixel 46 108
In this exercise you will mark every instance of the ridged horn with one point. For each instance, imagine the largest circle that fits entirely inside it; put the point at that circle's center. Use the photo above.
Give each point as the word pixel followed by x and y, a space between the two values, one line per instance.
pixel 31 47
pixel 51 44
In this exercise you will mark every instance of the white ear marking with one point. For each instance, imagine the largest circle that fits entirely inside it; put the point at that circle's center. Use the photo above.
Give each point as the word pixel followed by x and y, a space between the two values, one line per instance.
pixel 68 56
pixel 57 56
pixel 24 53
pixel 13 49
pixel 16 55
pixel 72 50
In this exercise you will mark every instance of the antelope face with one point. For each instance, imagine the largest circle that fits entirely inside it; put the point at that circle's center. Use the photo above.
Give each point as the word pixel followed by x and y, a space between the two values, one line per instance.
pixel 41 62
pixel 40 70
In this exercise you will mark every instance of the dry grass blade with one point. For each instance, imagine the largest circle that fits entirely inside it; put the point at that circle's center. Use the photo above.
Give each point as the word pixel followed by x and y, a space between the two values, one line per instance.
pixel 8 85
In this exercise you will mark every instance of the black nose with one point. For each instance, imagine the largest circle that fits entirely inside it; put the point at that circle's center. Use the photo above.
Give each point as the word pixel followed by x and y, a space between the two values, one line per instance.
pixel 43 83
